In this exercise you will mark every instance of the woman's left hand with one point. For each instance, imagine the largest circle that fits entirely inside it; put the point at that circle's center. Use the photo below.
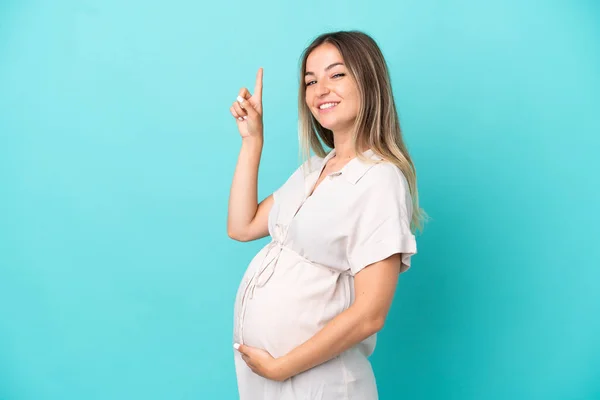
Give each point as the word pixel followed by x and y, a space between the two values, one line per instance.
pixel 262 363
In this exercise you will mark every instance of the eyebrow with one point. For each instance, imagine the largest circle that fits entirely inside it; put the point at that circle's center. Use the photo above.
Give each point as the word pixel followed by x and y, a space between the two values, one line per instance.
pixel 326 69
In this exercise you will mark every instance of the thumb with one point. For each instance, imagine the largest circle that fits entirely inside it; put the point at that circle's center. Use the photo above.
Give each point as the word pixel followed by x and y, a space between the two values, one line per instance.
pixel 240 347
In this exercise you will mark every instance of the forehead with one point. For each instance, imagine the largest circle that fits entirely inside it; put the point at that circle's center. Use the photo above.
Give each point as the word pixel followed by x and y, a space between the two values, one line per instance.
pixel 322 56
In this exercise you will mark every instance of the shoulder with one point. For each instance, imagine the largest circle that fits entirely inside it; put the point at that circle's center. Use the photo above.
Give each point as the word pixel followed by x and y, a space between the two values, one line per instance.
pixel 386 175
pixel 384 189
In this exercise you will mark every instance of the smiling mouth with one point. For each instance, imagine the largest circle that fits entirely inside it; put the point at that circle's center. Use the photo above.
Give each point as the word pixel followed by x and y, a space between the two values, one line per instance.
pixel 328 106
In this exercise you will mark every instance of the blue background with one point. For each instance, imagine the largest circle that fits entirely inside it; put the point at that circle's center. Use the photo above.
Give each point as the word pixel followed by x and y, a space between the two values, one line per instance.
pixel 117 149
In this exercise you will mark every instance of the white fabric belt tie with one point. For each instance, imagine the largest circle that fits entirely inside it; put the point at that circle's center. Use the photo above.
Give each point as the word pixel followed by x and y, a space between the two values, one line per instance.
pixel 264 273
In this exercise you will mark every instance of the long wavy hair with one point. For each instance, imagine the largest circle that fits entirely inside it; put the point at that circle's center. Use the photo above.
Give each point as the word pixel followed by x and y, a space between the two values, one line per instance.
pixel 377 125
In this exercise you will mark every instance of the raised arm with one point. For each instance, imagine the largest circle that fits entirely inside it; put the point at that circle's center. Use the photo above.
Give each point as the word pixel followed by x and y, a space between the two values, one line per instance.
pixel 246 219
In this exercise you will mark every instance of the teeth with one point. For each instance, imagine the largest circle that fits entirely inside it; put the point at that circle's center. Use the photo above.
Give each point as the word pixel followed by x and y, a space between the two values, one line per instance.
pixel 327 105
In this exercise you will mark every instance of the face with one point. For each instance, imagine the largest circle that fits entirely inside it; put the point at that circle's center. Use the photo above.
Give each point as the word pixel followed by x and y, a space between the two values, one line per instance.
pixel 331 93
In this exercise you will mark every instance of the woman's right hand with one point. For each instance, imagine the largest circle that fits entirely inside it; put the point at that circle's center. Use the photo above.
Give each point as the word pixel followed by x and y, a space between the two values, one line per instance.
pixel 249 113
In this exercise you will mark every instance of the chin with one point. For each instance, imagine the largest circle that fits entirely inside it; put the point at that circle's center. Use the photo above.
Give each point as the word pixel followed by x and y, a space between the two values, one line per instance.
pixel 327 126
pixel 332 125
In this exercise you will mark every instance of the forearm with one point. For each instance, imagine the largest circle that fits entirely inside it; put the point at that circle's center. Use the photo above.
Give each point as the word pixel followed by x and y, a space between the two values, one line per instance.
pixel 344 331
pixel 243 196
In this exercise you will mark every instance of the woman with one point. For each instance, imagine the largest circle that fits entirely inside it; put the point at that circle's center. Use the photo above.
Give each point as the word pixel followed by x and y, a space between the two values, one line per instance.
pixel 312 300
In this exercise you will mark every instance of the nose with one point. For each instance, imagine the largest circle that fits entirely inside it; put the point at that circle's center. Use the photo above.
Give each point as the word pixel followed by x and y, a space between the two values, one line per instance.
pixel 322 88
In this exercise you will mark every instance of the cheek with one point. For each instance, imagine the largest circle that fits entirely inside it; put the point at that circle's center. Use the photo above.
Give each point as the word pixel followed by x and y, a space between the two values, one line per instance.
pixel 350 94
pixel 355 101
pixel 307 101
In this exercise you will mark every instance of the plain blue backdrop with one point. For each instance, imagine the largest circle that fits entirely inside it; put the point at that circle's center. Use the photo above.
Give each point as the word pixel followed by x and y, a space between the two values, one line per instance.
pixel 117 149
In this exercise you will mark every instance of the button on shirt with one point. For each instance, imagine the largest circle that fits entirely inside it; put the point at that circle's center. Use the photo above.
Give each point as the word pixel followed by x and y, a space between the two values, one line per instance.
pixel 304 277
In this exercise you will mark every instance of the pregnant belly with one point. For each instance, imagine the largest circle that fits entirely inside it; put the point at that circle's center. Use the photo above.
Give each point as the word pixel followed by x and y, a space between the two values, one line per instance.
pixel 294 304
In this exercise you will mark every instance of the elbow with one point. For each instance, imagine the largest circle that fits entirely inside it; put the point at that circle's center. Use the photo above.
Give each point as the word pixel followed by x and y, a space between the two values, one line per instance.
pixel 371 319
pixel 375 324
pixel 235 235
pixel 371 324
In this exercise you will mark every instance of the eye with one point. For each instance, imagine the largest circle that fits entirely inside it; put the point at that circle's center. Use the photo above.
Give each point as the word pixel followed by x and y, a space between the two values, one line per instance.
pixel 334 76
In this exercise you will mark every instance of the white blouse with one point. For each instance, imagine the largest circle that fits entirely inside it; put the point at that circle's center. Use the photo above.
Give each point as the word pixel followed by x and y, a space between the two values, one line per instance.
pixel 305 276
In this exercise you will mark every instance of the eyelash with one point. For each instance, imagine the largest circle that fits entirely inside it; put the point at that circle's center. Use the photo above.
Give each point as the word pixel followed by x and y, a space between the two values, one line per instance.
pixel 340 74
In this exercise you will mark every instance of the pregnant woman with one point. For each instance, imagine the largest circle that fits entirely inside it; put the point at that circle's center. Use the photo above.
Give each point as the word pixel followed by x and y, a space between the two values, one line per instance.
pixel 312 300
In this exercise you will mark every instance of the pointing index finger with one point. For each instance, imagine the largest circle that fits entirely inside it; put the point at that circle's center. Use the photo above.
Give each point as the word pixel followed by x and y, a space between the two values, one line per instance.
pixel 259 83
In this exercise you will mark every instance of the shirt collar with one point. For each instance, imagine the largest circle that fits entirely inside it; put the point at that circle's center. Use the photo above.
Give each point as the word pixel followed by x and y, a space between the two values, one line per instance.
pixel 355 168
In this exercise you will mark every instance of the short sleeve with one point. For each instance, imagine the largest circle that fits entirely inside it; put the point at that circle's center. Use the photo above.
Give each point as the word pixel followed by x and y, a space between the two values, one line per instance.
pixel 381 220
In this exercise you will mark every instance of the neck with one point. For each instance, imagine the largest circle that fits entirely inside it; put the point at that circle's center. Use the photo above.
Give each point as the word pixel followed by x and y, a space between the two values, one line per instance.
pixel 344 146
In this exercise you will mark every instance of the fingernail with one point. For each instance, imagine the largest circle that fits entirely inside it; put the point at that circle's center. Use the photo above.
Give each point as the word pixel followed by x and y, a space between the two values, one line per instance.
pixel 240 99
pixel 245 117
pixel 240 118
pixel 236 346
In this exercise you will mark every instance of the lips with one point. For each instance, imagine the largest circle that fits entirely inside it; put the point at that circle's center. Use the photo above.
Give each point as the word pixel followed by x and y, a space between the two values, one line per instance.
pixel 328 106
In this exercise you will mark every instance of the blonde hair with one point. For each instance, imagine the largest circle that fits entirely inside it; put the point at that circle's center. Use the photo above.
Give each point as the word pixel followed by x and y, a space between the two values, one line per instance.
pixel 377 125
